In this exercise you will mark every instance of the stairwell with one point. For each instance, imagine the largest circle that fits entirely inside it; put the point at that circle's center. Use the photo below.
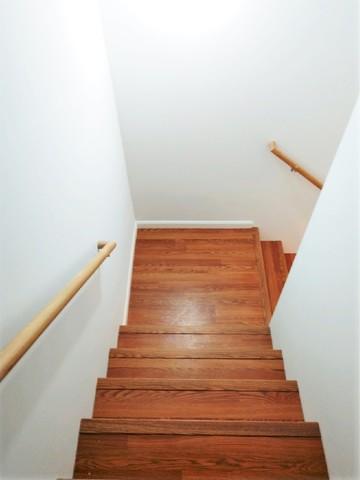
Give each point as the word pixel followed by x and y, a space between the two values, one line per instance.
pixel 194 389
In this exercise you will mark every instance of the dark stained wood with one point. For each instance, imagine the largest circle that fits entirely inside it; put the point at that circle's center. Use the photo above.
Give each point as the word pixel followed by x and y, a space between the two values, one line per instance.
pixel 187 352
pixel 200 427
pixel 197 384
pixel 275 268
pixel 198 404
pixel 167 341
pixel 218 329
pixel 196 368
pixel 289 257
pixel 171 456
pixel 195 390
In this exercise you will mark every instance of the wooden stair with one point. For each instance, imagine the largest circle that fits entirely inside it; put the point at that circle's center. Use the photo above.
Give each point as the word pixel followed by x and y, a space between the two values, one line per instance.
pixel 277 266
pixel 194 389
pixel 289 258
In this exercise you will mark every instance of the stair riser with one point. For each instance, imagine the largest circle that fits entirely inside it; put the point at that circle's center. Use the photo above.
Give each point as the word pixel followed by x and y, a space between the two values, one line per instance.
pixel 198 368
pixel 198 405
pixel 169 457
pixel 204 315
pixel 195 390
pixel 169 341
pixel 275 268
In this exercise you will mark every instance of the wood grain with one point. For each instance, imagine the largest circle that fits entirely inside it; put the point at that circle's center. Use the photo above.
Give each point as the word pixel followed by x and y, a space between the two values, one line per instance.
pixel 195 389
pixel 196 368
pixel 289 257
pixel 262 275
pixel 166 341
pixel 193 353
pixel 249 385
pixel 242 405
pixel 171 456
pixel 219 329
pixel 200 427
pixel 185 276
pixel 197 314
pixel 275 268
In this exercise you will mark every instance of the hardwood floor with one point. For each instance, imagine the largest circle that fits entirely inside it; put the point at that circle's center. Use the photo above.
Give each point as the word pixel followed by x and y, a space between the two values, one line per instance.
pixel 194 389
pixel 198 276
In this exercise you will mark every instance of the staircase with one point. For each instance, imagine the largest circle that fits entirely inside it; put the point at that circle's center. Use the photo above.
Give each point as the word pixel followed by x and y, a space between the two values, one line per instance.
pixel 194 389
pixel 277 266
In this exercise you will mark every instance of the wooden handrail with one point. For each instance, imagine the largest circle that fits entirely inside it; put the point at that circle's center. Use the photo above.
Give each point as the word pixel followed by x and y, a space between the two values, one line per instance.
pixel 294 166
pixel 12 353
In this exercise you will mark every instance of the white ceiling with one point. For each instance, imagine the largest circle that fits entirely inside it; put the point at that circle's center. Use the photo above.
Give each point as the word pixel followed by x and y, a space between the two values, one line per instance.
pixel 203 85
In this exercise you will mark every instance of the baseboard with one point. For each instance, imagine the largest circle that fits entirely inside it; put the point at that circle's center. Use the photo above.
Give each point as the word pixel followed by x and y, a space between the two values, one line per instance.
pixel 195 224
pixel 129 276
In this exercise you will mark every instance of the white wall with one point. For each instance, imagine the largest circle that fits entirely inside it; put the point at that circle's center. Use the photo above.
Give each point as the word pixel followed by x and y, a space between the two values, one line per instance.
pixel 203 85
pixel 63 187
pixel 316 321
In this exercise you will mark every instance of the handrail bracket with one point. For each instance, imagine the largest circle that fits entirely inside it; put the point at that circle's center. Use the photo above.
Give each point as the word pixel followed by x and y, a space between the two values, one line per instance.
pixel 294 167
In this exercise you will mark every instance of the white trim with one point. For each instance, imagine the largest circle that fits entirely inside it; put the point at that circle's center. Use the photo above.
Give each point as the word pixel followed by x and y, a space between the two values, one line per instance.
pixel 129 276
pixel 195 224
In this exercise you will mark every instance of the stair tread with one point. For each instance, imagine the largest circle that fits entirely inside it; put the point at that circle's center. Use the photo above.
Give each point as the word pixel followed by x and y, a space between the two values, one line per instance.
pixel 111 383
pixel 195 353
pixel 165 285
pixel 200 427
pixel 196 360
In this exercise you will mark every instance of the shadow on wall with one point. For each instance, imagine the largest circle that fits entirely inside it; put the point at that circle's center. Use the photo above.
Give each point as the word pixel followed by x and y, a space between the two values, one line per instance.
pixel 316 321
